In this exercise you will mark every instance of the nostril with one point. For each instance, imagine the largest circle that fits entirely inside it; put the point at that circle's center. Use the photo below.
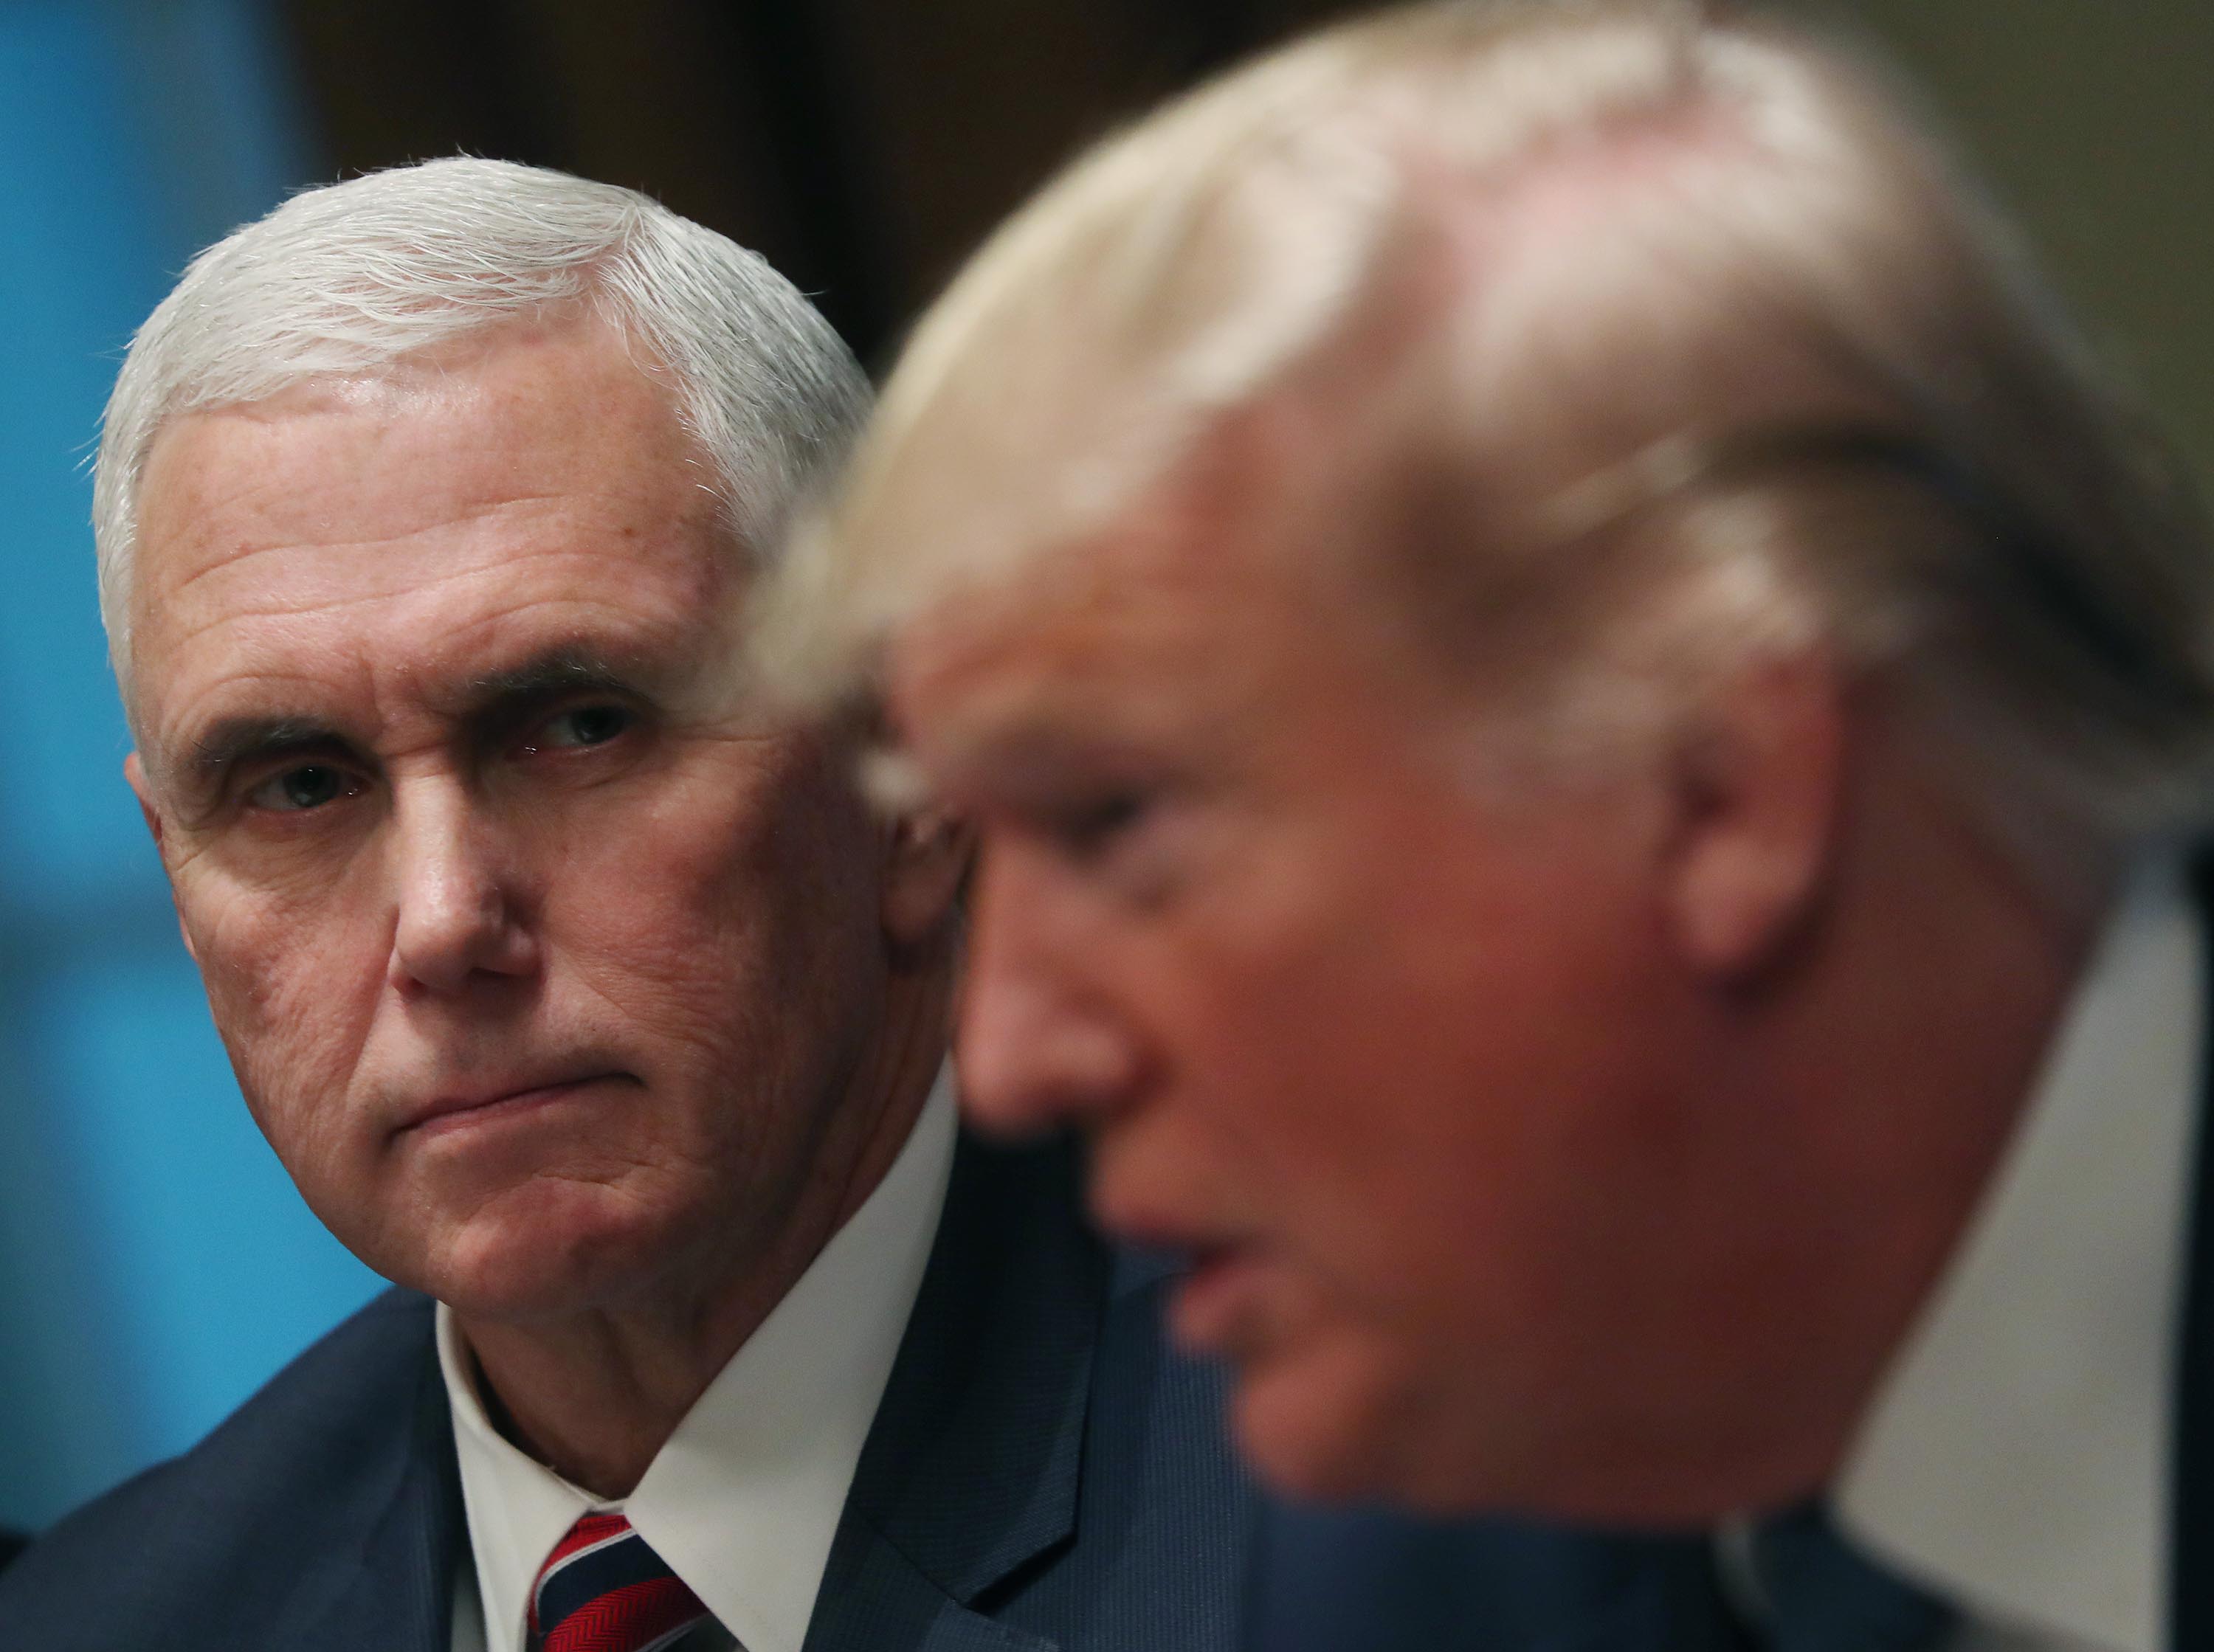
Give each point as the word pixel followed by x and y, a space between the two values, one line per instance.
pixel 1030 1059
pixel 454 924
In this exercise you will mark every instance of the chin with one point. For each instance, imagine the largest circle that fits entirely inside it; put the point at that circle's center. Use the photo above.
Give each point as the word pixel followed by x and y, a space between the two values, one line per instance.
pixel 551 1253
pixel 1352 1419
pixel 1349 1412
pixel 1334 1421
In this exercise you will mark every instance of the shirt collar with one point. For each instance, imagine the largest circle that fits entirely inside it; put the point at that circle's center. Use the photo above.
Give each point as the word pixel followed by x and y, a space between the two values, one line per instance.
pixel 2016 1458
pixel 743 1499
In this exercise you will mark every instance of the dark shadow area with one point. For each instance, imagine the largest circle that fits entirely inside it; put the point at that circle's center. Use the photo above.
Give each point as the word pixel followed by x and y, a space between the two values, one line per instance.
pixel 862 146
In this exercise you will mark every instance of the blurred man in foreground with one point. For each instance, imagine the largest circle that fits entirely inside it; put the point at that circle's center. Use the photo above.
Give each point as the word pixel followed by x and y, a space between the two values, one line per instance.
pixel 1577 702
pixel 577 994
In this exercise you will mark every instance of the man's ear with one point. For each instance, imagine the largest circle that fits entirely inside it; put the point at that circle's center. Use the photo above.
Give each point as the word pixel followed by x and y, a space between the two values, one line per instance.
pixel 926 859
pixel 134 772
pixel 1757 779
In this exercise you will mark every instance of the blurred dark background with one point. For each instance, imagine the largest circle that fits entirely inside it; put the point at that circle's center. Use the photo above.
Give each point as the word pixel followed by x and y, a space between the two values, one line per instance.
pixel 155 1266
pixel 861 145
pixel 865 146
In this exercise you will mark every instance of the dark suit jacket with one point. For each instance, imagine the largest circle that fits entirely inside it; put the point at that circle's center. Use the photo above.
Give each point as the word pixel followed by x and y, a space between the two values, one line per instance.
pixel 1367 1581
pixel 1041 1473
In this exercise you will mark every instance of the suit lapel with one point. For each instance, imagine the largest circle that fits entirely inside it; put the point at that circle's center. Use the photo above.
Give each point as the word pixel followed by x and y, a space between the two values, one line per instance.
pixel 873 1597
pixel 401 1596
pixel 971 1469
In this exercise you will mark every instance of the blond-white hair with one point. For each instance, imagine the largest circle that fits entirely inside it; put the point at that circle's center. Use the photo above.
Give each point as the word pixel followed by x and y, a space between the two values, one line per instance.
pixel 1679 310
pixel 360 277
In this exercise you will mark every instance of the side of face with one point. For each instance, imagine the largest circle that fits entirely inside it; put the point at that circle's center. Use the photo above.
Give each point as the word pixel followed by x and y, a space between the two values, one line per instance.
pixel 1421 1070
pixel 543 963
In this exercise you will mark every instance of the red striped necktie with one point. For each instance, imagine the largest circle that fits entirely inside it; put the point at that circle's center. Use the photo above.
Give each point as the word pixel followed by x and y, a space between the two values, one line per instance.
pixel 602 1589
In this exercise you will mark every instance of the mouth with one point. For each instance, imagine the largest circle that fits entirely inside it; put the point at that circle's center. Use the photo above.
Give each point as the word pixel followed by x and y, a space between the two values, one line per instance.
pixel 1219 1294
pixel 1220 1302
pixel 467 1109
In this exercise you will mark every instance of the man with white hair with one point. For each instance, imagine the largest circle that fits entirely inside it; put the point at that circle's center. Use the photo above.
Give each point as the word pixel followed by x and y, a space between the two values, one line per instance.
pixel 584 998
pixel 1585 724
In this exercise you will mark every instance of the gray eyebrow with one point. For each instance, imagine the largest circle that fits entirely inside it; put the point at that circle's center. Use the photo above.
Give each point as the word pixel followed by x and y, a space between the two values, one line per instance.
pixel 233 739
pixel 493 705
pixel 562 670
pixel 492 697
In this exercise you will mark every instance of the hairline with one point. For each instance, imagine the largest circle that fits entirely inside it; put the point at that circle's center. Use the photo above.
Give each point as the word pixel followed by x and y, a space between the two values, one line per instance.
pixel 764 422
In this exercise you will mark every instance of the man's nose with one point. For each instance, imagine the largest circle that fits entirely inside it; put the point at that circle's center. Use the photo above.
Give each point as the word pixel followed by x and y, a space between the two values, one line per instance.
pixel 458 917
pixel 1038 1043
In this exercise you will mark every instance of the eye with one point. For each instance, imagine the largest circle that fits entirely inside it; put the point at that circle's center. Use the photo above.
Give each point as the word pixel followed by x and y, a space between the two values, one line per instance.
pixel 1088 827
pixel 581 726
pixel 305 786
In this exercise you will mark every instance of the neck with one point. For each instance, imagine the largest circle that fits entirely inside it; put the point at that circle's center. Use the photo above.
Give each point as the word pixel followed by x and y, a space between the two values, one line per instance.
pixel 1926 1025
pixel 595 1395
pixel 1875 1086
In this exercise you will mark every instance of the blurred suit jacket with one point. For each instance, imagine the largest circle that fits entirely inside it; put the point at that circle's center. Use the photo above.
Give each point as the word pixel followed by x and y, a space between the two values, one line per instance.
pixel 1373 1582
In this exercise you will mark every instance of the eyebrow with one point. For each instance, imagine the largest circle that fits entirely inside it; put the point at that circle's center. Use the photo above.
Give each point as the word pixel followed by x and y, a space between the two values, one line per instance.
pixel 234 740
pixel 493 700
pixel 568 668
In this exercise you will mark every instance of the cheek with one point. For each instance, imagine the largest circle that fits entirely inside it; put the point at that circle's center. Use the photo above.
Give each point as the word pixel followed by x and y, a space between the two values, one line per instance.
pixel 724 923
pixel 292 984
pixel 1427 1066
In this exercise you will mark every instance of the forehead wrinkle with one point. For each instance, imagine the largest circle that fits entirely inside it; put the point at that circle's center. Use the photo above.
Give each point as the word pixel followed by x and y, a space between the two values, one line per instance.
pixel 615 626
pixel 226 485
pixel 399 585
pixel 221 463
pixel 656 530
pixel 460 677
pixel 507 515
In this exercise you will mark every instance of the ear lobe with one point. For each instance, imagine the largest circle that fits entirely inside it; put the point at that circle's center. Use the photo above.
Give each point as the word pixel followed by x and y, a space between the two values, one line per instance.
pixel 927 861
pixel 1757 783
pixel 134 772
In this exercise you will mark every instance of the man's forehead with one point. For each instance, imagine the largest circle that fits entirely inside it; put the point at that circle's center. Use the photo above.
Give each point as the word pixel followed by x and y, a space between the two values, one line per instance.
pixel 360 686
pixel 534 413
pixel 1127 640
pixel 417 537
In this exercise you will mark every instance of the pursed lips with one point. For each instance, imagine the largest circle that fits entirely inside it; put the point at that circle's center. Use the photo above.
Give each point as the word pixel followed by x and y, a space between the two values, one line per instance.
pixel 479 1102
pixel 1223 1266
pixel 1153 1227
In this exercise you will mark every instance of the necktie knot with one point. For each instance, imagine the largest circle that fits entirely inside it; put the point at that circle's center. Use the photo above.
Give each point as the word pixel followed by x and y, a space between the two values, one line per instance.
pixel 603 1589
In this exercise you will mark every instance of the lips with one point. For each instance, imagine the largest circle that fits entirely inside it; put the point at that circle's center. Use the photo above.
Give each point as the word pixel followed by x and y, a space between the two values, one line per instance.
pixel 482 1103
pixel 1220 1304
pixel 1218 1292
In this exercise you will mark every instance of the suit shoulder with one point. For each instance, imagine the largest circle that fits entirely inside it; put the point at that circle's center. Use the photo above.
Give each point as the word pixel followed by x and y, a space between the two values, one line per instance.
pixel 272 1492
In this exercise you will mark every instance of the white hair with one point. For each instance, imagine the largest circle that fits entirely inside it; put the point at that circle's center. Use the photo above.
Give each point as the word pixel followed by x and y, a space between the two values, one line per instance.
pixel 1674 313
pixel 360 277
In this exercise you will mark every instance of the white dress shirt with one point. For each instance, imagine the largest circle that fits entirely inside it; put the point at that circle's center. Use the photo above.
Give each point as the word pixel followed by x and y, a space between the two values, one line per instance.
pixel 2016 1459
pixel 742 1500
